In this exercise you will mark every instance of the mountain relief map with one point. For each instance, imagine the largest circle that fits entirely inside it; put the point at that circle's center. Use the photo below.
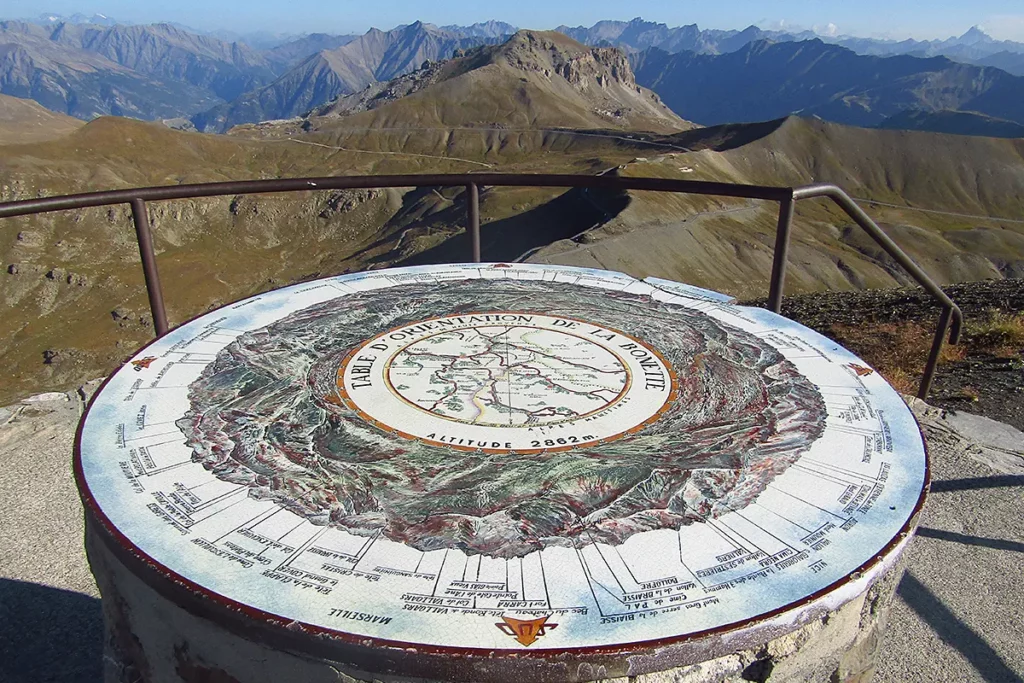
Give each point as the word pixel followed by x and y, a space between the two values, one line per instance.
pixel 508 430
pixel 502 456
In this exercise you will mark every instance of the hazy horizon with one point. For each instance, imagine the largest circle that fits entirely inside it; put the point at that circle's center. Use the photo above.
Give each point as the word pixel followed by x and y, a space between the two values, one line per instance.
pixel 940 19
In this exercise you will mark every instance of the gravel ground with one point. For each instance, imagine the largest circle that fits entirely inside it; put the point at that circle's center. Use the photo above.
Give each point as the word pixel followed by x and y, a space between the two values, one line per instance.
pixel 980 383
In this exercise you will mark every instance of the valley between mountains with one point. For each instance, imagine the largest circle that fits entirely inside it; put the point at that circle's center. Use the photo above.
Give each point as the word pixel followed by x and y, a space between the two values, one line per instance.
pixel 73 301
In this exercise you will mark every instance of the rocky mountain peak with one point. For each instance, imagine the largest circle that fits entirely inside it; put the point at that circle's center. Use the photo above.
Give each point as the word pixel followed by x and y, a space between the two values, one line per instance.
pixel 974 35
pixel 551 53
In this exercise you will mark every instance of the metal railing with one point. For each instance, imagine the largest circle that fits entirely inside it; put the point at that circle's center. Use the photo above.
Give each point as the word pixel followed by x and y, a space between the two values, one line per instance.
pixel 950 319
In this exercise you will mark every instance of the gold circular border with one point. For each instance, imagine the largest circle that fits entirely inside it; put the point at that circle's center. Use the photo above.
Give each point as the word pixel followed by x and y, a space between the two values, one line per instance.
pixel 618 397
pixel 344 399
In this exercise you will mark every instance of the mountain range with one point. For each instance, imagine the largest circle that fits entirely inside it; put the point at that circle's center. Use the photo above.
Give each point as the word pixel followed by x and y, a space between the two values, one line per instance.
pixel 765 80
pixel 149 72
pixel 974 46
pixel 372 58
pixel 538 102
pixel 165 72
pixel 536 79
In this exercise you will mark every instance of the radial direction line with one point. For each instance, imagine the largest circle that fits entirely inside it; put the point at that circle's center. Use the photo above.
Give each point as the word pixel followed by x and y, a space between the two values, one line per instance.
pixel 839 469
pixel 217 512
pixel 440 570
pixel 853 431
pixel 750 521
pixel 522 580
pixel 543 578
pixel 728 539
pixel 783 517
pixel 247 523
pixel 775 488
pixel 679 537
pixel 153 436
pixel 855 388
pixel 277 508
pixel 216 499
pixel 742 537
pixel 605 560
pixel 168 467
pixel 281 537
pixel 302 548
pixel 822 475
pixel 592 581
pixel 366 546
pixel 626 565
pixel 163 422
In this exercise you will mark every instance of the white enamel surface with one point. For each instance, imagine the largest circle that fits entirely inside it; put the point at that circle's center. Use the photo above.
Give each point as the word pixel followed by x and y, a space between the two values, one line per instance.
pixel 846 498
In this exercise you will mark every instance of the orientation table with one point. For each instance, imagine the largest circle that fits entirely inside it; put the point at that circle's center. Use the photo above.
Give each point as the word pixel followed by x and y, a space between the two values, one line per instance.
pixel 496 472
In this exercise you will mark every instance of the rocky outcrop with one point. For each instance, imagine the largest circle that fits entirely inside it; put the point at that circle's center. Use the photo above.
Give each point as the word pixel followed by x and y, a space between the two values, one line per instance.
pixel 561 74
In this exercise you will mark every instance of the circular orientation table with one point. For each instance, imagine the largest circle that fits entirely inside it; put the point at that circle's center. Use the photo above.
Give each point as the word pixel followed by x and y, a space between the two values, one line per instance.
pixel 496 472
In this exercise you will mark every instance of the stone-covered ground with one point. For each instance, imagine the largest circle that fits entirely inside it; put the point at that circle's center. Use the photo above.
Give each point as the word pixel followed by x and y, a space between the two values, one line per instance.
pixel 973 379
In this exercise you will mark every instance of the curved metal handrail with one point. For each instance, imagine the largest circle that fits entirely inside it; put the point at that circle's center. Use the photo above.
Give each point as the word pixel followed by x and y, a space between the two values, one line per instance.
pixel 951 313
pixel 136 198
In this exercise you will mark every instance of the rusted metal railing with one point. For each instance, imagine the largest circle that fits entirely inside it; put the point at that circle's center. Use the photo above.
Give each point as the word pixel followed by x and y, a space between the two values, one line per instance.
pixel 950 319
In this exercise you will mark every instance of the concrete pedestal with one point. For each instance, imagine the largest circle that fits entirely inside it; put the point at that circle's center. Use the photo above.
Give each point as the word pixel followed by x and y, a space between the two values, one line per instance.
pixel 151 637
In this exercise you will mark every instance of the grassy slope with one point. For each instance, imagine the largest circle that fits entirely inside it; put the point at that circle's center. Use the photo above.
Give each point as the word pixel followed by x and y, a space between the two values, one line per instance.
pixel 25 121
pixel 221 249
pixel 214 250
pixel 726 244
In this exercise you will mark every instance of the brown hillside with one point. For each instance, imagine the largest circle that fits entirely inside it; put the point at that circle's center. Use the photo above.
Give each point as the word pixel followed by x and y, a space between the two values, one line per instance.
pixel 24 121
pixel 726 244
pixel 536 79
pixel 72 296
pixel 71 293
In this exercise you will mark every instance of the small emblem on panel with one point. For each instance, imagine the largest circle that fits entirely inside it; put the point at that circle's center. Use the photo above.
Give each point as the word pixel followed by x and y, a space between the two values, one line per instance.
pixel 860 369
pixel 526 631
pixel 143 363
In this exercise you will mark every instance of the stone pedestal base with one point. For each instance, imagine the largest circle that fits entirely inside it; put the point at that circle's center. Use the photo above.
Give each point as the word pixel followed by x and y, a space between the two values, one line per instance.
pixel 157 632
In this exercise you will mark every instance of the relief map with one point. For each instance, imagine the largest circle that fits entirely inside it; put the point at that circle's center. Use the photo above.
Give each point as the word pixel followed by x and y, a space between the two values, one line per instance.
pixel 470 456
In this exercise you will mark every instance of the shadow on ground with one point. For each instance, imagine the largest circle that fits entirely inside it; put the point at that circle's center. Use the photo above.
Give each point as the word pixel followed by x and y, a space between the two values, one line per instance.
pixel 954 632
pixel 507 239
pixel 49 635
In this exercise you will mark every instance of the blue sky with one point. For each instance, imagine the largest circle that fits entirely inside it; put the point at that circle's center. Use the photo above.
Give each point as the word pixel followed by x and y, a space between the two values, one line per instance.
pixel 884 18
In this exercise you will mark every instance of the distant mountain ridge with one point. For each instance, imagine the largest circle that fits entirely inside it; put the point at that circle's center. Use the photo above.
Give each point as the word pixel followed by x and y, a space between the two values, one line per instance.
pixel 974 46
pixel 767 80
pixel 971 46
pixel 163 71
pixel 534 79
pixel 637 35
pixel 75 66
pixel 149 72
pixel 374 57
pixel 54 18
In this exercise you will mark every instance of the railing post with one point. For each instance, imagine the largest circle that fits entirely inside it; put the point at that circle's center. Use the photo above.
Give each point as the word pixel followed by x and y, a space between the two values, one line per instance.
pixel 145 239
pixel 781 255
pixel 933 357
pixel 473 215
